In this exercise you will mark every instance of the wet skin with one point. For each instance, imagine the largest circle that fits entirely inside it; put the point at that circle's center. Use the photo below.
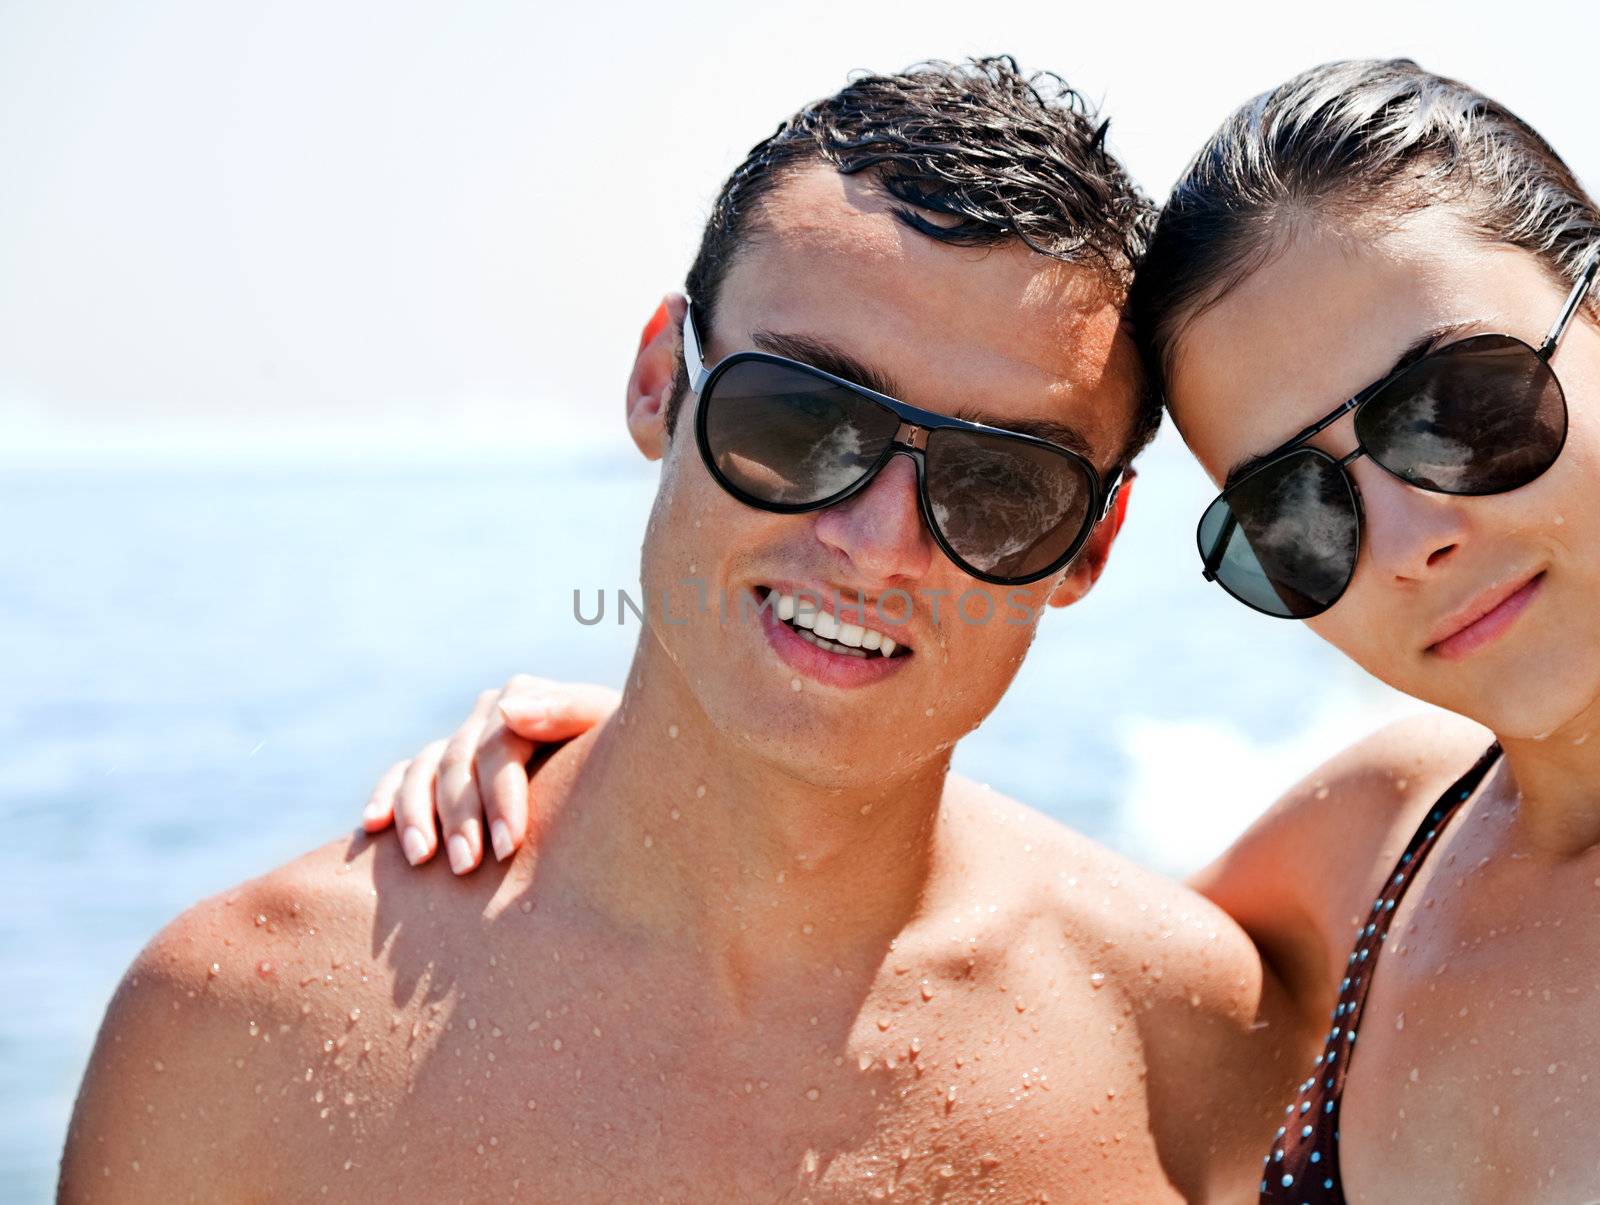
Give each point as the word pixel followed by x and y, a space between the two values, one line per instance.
pixel 754 883
pixel 1478 1072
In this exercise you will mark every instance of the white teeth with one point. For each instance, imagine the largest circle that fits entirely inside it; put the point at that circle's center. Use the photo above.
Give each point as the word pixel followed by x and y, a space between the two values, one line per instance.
pixel 830 646
pixel 804 613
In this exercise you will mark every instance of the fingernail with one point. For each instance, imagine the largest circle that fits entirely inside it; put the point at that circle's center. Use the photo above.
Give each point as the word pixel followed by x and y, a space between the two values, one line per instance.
pixel 460 854
pixel 525 709
pixel 414 844
pixel 501 836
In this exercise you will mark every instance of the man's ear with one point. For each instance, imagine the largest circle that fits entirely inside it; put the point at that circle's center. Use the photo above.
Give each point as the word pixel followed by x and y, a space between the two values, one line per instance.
pixel 1091 560
pixel 655 367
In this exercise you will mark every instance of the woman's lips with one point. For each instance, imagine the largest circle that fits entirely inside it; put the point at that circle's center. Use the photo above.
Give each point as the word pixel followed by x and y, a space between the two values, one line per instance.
pixel 1487 625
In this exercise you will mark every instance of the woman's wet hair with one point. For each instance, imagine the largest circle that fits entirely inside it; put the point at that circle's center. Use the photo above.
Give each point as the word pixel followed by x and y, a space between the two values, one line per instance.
pixel 1355 145
pixel 997 155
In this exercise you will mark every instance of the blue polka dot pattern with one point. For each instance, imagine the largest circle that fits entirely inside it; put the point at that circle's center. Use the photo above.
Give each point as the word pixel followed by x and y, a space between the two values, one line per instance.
pixel 1303 1165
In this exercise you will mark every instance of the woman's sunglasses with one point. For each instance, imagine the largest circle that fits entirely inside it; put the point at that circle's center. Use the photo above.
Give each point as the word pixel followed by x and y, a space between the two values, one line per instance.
pixel 1484 415
pixel 783 436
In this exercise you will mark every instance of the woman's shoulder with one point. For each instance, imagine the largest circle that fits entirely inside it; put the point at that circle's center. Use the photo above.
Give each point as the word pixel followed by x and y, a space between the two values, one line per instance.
pixel 1300 878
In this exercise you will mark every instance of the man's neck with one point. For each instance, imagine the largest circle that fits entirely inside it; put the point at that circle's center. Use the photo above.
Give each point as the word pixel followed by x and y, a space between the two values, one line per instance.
pixel 769 872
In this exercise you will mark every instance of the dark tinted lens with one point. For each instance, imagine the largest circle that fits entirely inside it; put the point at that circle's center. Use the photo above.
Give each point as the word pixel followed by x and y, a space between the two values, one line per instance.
pixel 784 436
pixel 1481 416
pixel 1008 508
pixel 1284 539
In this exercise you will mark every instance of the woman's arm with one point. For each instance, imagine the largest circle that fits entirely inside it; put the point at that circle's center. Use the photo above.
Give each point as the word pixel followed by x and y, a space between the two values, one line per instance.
pixel 478 777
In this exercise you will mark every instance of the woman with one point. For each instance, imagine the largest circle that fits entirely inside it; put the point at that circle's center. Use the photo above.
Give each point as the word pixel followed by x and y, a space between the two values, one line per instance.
pixel 1372 232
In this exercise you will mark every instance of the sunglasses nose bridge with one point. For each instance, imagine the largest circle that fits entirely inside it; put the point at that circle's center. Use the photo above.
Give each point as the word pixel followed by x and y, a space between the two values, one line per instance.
pixel 909 435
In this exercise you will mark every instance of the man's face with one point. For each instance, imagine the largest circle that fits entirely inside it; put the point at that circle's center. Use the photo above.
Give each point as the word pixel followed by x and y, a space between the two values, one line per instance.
pixel 997 334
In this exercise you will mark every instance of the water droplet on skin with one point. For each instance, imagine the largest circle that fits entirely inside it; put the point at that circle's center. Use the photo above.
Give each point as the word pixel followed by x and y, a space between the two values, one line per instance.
pixel 927 991
pixel 1097 980
pixel 527 905
pixel 214 971
pixel 808 928
pixel 355 1015
pixel 1322 792
pixel 928 712
pixel 556 1045
pixel 883 1023
pixel 675 813
pixel 1399 1021
pixel 1415 1075
pixel 472 1022
pixel 812 1094
pixel 794 684
pixel 264 969
pixel 672 731
pixel 863 1060
pixel 1559 520
pixel 261 918
pixel 649 841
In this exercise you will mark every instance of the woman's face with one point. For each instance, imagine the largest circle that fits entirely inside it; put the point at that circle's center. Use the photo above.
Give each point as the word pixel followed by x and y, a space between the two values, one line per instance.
pixel 1328 316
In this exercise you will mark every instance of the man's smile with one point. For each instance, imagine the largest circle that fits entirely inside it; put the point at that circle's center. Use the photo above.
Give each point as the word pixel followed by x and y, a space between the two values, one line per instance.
pixel 809 614
pixel 812 639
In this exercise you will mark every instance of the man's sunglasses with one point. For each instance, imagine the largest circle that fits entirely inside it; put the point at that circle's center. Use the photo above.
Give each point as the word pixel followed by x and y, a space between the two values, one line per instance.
pixel 783 436
pixel 1484 415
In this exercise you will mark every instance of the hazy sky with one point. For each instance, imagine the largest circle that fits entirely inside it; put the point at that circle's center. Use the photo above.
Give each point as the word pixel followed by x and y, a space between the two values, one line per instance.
pixel 448 221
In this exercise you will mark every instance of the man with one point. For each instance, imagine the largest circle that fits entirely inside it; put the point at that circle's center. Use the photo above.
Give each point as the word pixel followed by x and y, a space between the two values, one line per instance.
pixel 767 945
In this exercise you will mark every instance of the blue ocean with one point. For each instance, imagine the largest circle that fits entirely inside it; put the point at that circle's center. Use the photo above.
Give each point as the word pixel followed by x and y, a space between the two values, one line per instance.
pixel 208 661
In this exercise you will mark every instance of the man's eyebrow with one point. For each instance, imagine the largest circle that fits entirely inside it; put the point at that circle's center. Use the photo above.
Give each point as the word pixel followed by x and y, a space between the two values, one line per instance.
pixel 1048 429
pixel 1415 350
pixel 819 353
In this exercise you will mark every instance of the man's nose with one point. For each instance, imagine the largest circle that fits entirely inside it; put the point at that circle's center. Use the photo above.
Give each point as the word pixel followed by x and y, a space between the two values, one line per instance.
pixel 1410 533
pixel 880 530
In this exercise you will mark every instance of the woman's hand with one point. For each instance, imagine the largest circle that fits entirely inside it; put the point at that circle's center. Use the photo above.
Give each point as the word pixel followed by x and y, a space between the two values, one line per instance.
pixel 480 775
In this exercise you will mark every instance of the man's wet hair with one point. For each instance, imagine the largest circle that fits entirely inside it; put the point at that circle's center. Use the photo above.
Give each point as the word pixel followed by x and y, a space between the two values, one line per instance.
pixel 976 154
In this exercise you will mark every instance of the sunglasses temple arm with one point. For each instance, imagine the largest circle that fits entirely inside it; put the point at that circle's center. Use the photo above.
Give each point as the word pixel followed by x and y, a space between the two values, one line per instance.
pixel 1580 290
pixel 693 358
pixel 1219 547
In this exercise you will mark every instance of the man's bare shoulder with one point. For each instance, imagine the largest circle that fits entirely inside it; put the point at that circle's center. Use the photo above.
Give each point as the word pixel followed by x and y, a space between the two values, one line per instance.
pixel 1127 918
pixel 1134 946
pixel 279 1011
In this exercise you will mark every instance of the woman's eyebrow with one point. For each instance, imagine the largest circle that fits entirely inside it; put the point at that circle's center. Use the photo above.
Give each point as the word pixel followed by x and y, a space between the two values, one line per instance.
pixel 1415 350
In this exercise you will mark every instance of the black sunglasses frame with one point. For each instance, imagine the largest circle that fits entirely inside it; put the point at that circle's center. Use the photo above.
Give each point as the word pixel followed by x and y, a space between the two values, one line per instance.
pixel 1210 561
pixel 910 439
